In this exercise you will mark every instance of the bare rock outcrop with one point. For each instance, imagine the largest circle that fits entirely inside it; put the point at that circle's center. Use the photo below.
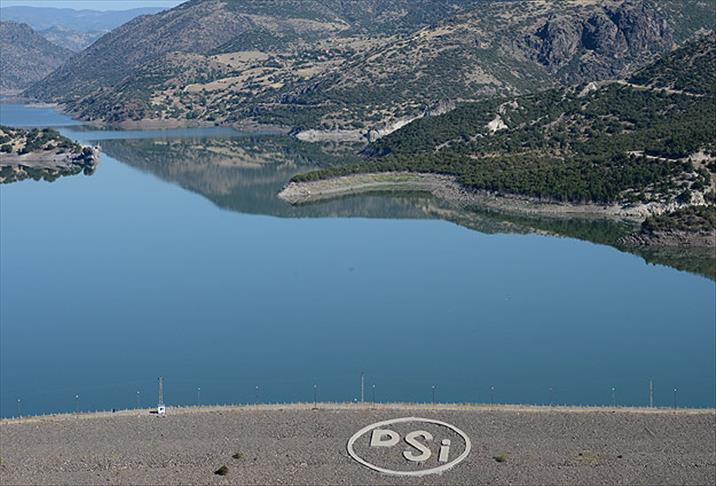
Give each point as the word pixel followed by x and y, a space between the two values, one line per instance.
pixel 628 33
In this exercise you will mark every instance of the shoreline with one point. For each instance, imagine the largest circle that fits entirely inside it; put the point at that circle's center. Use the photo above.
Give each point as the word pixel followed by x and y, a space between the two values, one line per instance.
pixel 366 406
pixel 149 124
pixel 449 189
pixel 152 124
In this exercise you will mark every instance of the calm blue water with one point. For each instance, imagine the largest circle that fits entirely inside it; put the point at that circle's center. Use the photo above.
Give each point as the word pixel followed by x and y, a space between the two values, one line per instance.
pixel 26 116
pixel 109 281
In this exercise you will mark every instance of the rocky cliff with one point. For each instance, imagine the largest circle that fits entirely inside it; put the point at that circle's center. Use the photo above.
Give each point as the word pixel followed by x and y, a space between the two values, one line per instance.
pixel 604 43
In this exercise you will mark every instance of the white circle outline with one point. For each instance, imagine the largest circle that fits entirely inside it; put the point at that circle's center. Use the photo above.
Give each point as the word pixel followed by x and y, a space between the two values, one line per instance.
pixel 435 470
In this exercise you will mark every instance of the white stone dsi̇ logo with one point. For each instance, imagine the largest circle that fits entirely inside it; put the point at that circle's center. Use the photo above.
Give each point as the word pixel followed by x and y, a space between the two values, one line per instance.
pixel 427 447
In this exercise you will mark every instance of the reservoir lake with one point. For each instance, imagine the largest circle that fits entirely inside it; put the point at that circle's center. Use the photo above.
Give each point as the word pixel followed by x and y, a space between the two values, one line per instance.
pixel 176 259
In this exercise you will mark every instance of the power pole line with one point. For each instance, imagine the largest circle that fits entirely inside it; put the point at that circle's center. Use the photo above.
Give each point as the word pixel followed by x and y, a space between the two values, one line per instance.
pixel 362 387
pixel 614 396
pixel 651 393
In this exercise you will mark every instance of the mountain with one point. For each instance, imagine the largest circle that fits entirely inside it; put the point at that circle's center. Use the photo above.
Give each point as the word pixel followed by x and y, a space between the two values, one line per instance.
pixel 43 18
pixel 116 78
pixel 496 48
pixel 358 69
pixel 26 57
pixel 646 145
pixel 69 28
pixel 70 39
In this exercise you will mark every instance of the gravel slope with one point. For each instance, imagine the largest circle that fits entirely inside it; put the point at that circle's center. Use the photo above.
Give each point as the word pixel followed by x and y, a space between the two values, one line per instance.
pixel 293 444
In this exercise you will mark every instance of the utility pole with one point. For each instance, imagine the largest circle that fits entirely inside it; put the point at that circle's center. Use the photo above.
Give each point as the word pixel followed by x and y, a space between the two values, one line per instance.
pixel 362 387
pixel 161 409
pixel 651 393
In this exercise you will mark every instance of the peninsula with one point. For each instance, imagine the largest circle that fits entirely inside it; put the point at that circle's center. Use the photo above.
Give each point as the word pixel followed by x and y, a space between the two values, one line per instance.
pixel 42 154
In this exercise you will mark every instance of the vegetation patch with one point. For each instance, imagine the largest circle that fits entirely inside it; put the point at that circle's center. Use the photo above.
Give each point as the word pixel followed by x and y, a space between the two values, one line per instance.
pixel 24 142
pixel 501 457
pixel 41 154
pixel 689 219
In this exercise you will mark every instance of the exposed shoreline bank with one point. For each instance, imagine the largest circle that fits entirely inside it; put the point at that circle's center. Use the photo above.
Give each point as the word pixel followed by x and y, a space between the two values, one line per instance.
pixel 303 406
pixel 303 444
pixel 449 189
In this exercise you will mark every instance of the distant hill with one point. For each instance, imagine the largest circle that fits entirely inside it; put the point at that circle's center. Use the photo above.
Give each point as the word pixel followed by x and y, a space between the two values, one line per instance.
pixel 43 18
pixel 364 67
pixel 70 39
pixel 69 28
pixel 26 56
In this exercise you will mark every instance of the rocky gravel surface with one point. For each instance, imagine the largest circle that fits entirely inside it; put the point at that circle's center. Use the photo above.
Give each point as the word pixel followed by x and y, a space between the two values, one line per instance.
pixel 295 444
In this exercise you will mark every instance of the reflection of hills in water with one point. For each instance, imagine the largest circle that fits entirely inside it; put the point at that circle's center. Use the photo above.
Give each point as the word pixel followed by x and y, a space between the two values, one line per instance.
pixel 701 261
pixel 245 175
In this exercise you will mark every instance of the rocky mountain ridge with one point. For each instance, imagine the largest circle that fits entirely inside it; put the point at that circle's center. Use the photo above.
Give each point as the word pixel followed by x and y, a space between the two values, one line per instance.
pixel 360 67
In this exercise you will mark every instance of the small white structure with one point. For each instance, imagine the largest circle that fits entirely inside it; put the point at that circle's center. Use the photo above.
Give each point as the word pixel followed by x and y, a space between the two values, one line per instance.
pixel 161 409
